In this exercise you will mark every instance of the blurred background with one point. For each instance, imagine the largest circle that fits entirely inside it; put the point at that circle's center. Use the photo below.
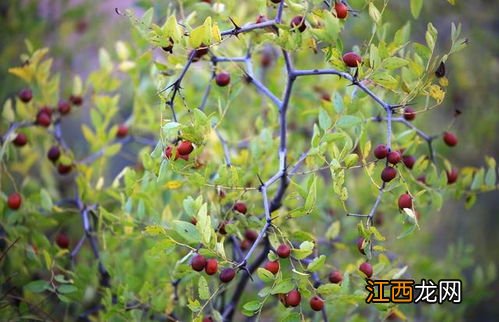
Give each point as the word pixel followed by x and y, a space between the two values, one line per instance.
pixel 75 30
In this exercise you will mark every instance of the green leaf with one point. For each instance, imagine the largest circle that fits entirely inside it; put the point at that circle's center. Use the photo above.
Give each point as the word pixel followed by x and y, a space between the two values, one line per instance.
pixel 203 289
pixel 333 230
pixel 312 195
pixel 265 275
pixel 316 264
pixel 112 149
pixel 324 119
pixel 431 36
pixel 203 225
pixel 37 286
pixel 374 13
pixel 67 288
pixel 283 287
pixel 45 199
pixel 348 121
pixel 328 289
pixel 416 6
pixel 187 231
pixel 394 63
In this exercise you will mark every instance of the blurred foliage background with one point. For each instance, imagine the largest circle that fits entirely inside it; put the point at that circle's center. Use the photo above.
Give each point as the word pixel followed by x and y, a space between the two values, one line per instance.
pixel 75 30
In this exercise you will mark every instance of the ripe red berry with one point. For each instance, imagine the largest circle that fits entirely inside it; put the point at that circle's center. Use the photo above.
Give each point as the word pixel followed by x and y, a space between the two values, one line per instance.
pixel 422 179
pixel 227 275
pixel 245 244
pixel 352 59
pixel 298 22
pixel 64 107
pixel 62 240
pixel 14 201
pixel 20 140
pixel 405 201
pixel 335 277
pixel 293 298
pixel 366 268
pixel 360 245
pixel 122 131
pixel 261 18
pixel 272 267
pixel 394 157
pixel 185 148
pixel 54 153
pixel 316 303
pixel 198 263
pixel 222 79
pixel 283 251
pixel 76 100
pixel 450 138
pixel 409 161
pixel 43 118
pixel 208 318
pixel 409 113
pixel 452 175
pixel 381 151
pixel 25 95
pixel 341 10
pixel 199 52
pixel 240 207
pixel 388 174
pixel 266 59
pixel 168 154
pixel 211 266
pixel 251 235
pixel 64 168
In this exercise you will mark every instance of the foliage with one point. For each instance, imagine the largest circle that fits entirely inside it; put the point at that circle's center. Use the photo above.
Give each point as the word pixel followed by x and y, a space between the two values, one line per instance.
pixel 292 137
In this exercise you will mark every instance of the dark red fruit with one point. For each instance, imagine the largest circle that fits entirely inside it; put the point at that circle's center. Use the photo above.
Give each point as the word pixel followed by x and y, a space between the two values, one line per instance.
pixel 168 154
pixel 352 59
pixel 25 95
pixel 208 318
pixel 76 100
pixel 360 245
pixel 409 113
pixel 316 303
pixel 341 10
pixel 122 131
pixel 54 153
pixel 261 18
pixel 20 140
pixel 246 244
pixel 64 168
pixel 222 79
pixel 185 148
pixel 422 179
pixel 240 207
pixel 450 138
pixel 211 267
pixel 388 174
pixel 394 157
pixel 63 107
pixel 298 22
pixel 272 267
pixel 199 53
pixel 409 161
pixel 62 240
pixel 227 275
pixel 221 228
pixel 266 59
pixel 198 263
pixel 405 201
pixel 283 251
pixel 14 201
pixel 381 151
pixel 452 175
pixel 366 268
pixel 335 277
pixel 43 118
pixel 275 1
pixel 293 298
pixel 251 235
